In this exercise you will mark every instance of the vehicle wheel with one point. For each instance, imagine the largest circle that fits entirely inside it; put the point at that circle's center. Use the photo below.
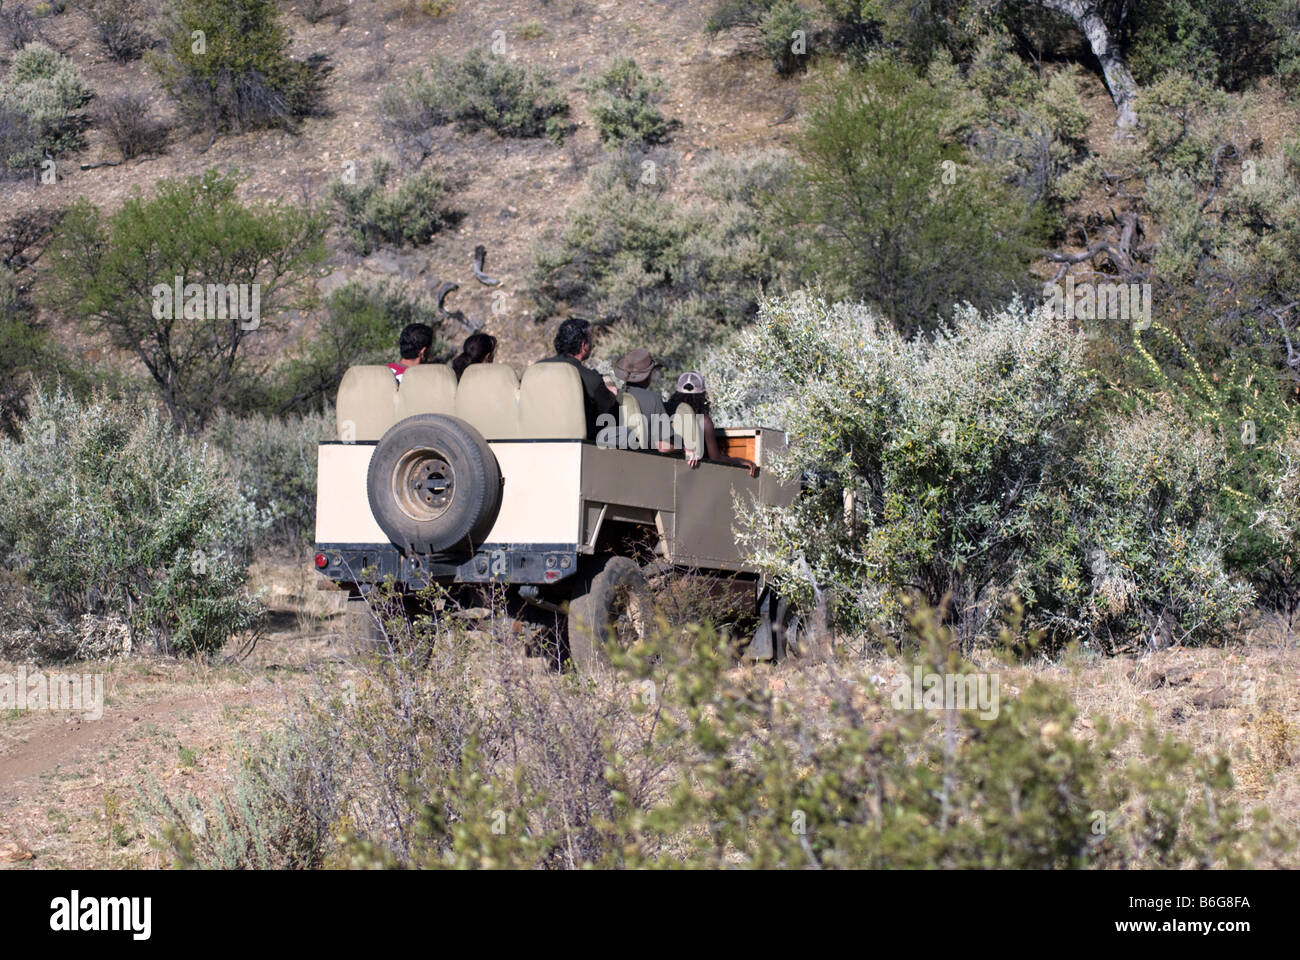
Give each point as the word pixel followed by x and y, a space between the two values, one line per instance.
pixel 615 605
pixel 434 484
pixel 790 632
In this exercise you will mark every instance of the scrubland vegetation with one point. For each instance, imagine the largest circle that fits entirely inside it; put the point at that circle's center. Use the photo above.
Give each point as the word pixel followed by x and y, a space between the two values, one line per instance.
pixel 989 484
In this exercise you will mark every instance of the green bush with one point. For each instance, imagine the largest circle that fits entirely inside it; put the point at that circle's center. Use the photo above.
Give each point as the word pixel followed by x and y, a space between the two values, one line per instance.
pixel 118 272
pixel 1226 43
pixel 1134 552
pixel 891 210
pixel 40 99
pixel 675 274
pixel 1032 130
pixel 276 816
pixel 238 75
pixel 104 505
pixel 361 324
pixel 624 108
pixel 373 213
pixel 1223 277
pixel 478 90
pixel 775 22
pixel 966 469
pixel 273 463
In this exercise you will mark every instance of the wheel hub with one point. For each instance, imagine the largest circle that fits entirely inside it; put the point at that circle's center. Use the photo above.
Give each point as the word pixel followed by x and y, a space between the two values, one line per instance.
pixel 424 484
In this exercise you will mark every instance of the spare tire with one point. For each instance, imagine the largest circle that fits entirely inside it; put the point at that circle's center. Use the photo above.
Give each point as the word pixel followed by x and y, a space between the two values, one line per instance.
pixel 434 485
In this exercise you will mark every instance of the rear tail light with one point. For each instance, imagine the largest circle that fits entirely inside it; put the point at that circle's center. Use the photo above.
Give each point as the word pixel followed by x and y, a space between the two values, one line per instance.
pixel 322 561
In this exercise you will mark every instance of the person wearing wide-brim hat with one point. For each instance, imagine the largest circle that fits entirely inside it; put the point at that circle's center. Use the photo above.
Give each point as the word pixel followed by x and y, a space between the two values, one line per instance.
pixel 692 391
pixel 635 369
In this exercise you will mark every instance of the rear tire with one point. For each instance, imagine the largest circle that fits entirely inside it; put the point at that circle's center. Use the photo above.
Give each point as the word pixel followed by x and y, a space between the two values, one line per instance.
pixel 613 605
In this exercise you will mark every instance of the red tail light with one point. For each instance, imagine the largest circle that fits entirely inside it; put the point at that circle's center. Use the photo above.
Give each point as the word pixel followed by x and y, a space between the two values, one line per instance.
pixel 322 561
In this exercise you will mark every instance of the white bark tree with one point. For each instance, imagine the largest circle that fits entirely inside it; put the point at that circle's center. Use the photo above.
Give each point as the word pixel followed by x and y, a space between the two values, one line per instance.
pixel 1123 90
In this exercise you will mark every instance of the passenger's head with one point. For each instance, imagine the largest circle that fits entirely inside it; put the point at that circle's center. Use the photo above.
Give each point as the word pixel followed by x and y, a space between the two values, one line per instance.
pixel 415 342
pixel 691 391
pixel 573 339
pixel 478 348
pixel 636 368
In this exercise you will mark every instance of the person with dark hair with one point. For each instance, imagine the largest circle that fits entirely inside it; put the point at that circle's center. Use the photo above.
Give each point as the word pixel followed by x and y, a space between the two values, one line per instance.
pixel 478 348
pixel 691 391
pixel 573 346
pixel 413 346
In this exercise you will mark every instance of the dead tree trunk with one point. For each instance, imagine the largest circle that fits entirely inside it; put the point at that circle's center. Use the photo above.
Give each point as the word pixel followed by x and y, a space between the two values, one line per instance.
pixel 1118 79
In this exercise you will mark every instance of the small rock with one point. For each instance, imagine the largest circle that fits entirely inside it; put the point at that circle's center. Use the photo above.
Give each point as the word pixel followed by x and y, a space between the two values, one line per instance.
pixel 1215 699
pixel 11 851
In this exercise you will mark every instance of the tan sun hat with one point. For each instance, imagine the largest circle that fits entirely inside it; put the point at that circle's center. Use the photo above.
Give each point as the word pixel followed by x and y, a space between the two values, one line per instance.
pixel 636 365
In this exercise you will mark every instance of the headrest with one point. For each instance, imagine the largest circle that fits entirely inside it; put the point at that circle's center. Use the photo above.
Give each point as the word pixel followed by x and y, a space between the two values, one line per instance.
pixel 426 388
pixel 364 409
pixel 487 399
pixel 633 419
pixel 551 403
pixel 687 424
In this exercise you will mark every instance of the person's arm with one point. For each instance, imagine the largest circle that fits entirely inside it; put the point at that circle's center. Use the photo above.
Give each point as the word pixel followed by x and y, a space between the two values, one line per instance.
pixel 714 451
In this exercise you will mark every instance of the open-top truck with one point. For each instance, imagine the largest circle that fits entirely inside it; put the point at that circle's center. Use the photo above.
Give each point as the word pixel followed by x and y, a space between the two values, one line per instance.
pixel 492 480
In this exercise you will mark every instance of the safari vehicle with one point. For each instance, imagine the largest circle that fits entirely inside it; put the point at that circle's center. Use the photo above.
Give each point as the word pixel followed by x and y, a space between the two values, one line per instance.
pixel 492 481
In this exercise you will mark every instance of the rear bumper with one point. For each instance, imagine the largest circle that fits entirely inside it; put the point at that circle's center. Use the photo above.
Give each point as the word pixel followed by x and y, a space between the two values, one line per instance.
pixel 541 564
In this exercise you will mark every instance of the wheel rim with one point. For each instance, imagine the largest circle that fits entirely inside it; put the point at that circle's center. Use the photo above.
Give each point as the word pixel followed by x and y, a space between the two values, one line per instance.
pixel 424 484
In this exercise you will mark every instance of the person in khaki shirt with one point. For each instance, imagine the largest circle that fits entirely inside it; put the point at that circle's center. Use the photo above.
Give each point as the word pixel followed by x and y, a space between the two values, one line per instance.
pixel 636 370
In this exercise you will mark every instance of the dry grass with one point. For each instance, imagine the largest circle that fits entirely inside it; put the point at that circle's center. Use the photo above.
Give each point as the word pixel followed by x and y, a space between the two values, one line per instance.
pixel 65 782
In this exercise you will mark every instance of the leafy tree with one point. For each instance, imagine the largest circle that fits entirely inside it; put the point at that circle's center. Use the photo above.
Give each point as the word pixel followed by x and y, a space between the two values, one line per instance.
pixel 361 324
pixel 27 345
pixel 119 272
pixel 892 211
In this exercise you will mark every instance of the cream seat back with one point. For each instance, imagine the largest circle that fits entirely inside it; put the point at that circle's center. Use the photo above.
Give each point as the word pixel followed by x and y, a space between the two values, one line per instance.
pixel 365 405
pixel 426 388
pixel 488 399
pixel 548 404
pixel 551 403
pixel 633 421
pixel 686 424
